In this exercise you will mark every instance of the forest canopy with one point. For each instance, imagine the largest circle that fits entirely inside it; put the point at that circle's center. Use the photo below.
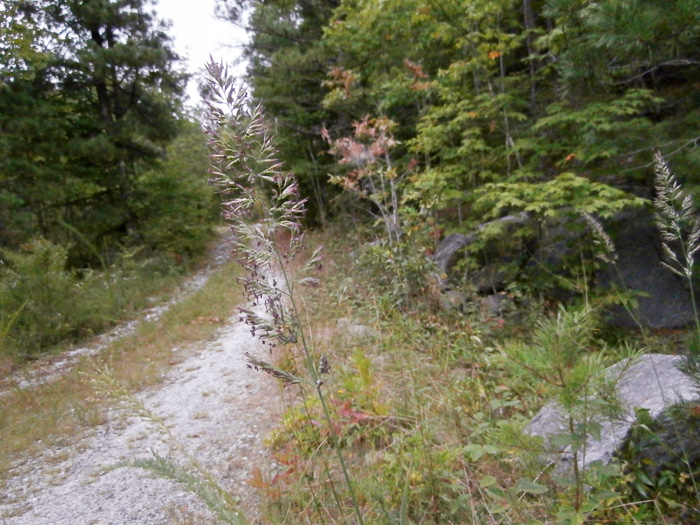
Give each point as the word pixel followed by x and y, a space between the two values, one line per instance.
pixel 491 100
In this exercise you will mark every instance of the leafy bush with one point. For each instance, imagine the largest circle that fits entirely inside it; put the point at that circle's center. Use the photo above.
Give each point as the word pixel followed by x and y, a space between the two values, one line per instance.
pixel 397 272
pixel 177 207
pixel 40 294
pixel 44 303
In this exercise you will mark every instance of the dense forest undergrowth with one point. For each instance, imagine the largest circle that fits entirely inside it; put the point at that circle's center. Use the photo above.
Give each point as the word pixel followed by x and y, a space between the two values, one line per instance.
pixel 429 409
pixel 47 304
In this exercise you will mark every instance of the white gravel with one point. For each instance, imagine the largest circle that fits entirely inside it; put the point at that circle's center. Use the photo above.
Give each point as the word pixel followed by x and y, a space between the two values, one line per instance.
pixel 218 412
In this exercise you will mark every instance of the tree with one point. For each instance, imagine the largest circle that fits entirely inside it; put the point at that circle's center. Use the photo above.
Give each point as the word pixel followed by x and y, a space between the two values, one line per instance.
pixel 509 97
pixel 123 75
pixel 606 52
pixel 81 126
pixel 20 32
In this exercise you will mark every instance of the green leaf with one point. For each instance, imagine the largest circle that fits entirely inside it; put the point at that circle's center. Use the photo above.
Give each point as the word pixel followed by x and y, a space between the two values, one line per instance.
pixel 487 481
pixel 499 508
pixel 530 487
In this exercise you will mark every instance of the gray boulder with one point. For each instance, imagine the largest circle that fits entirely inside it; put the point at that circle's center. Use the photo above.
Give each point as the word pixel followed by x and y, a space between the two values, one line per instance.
pixel 447 250
pixel 354 330
pixel 653 384
pixel 665 300
pixel 490 277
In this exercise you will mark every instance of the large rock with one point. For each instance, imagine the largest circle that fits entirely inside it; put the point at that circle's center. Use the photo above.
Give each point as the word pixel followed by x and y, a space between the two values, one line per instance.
pixel 490 277
pixel 354 330
pixel 665 300
pixel 447 250
pixel 653 384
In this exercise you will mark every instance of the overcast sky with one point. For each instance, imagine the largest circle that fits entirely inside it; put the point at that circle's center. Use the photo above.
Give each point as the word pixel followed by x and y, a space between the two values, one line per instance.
pixel 198 34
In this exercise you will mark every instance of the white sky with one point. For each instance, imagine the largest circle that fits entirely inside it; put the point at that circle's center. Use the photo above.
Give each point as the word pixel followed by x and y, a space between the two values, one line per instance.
pixel 196 34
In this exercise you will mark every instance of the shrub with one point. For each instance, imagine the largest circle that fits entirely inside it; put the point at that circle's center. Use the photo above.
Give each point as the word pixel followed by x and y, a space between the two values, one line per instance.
pixel 39 294
pixel 44 303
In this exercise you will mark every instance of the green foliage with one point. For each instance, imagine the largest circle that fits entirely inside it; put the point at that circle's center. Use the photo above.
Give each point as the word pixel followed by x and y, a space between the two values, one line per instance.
pixel 638 37
pixel 565 194
pixel 177 207
pixel 560 355
pixel 400 273
pixel 43 302
pixel 489 94
pixel 86 108
pixel 563 357
pixel 89 108
pixel 383 65
pixel 19 33
pixel 39 292
pixel 598 130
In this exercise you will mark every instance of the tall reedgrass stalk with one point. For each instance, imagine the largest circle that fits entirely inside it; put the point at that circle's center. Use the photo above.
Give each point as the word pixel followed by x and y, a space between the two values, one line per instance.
pixel 245 167
pixel 679 226
pixel 606 252
pixel 678 223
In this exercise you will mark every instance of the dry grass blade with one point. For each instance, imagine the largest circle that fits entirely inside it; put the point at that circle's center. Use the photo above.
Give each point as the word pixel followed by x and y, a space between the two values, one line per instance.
pixel 259 364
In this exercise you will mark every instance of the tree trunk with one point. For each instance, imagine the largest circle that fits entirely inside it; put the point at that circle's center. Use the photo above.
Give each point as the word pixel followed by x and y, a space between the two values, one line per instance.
pixel 529 19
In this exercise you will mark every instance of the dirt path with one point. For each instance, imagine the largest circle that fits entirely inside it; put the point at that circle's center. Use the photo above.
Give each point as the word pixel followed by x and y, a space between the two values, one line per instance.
pixel 218 412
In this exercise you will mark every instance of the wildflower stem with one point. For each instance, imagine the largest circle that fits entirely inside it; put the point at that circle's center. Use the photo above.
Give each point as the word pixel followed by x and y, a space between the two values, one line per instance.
pixel 311 366
pixel 341 460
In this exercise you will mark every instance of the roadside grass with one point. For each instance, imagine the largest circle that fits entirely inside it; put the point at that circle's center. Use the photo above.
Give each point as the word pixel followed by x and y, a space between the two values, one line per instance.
pixel 45 305
pixel 59 413
pixel 430 410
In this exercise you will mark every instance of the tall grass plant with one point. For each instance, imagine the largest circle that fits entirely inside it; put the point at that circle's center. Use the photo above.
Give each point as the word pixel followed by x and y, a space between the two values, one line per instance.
pixel 246 169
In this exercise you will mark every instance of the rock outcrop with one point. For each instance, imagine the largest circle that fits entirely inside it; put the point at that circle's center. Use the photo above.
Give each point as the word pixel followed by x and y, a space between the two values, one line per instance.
pixel 663 299
pixel 652 384
pixel 488 278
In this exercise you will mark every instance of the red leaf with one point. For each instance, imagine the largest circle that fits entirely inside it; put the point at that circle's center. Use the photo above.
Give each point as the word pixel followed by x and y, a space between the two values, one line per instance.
pixel 351 414
pixel 257 480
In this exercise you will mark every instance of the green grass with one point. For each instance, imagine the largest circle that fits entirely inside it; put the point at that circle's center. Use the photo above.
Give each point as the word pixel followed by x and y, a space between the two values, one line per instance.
pixel 45 306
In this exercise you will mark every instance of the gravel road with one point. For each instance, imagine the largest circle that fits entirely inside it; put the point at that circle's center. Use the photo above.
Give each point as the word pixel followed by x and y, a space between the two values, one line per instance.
pixel 217 412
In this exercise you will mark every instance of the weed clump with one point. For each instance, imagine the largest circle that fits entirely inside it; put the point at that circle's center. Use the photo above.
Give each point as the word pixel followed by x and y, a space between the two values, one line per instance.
pixel 44 303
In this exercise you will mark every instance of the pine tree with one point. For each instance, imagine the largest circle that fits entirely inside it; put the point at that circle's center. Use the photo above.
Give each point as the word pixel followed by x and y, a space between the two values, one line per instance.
pixel 80 126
